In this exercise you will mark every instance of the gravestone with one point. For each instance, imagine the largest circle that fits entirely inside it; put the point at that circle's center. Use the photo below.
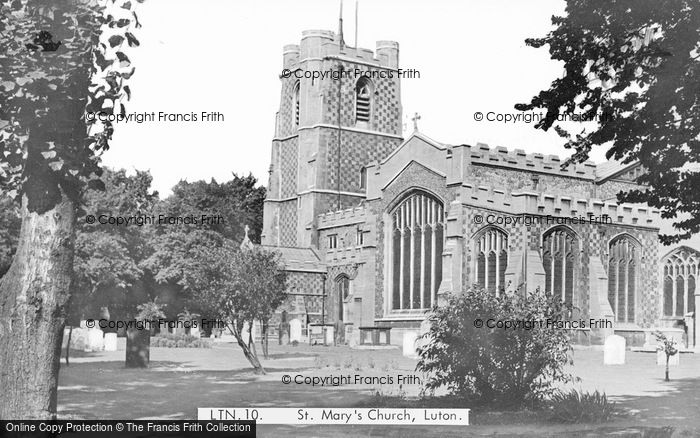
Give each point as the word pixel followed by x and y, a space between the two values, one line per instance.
pixel 95 339
pixel 330 334
pixel 110 342
pixel 614 350
pixel 284 333
pixel 672 361
pixel 295 330
pixel 409 344
pixel 78 339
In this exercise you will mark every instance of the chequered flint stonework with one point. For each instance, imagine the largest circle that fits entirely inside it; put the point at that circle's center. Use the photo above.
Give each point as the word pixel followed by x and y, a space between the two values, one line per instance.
pixel 385 110
pixel 286 123
pixel 593 241
pixel 304 296
pixel 357 151
pixel 289 167
pixel 288 223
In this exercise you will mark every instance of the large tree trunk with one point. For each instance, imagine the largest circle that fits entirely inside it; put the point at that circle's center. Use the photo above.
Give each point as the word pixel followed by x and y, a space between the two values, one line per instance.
pixel 33 295
pixel 138 348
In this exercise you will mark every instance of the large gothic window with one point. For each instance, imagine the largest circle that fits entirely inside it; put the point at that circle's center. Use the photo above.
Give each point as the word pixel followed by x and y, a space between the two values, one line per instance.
pixel 363 100
pixel 559 257
pixel 622 277
pixel 680 272
pixel 417 234
pixel 491 259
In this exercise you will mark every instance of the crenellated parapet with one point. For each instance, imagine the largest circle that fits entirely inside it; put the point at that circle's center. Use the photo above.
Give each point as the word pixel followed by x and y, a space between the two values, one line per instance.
pixel 543 204
pixel 536 162
pixel 342 218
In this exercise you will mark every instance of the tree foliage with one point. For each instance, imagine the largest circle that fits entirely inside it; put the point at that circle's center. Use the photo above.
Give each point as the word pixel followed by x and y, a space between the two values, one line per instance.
pixel 495 365
pixel 240 287
pixel 635 65
pixel 60 60
pixel 108 257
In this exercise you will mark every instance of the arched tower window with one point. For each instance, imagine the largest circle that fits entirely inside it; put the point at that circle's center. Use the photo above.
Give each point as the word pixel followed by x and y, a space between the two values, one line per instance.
pixel 622 277
pixel 417 235
pixel 363 178
pixel 363 100
pixel 491 259
pixel 559 259
pixel 296 105
pixel 680 273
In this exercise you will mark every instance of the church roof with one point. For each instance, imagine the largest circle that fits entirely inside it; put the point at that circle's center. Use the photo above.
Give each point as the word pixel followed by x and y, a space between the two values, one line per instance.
pixel 611 168
pixel 482 153
pixel 299 259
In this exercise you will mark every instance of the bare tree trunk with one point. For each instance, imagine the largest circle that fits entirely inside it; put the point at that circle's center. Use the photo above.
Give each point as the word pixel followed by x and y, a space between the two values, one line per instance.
pixel 668 358
pixel 33 295
pixel 237 328
pixel 264 340
pixel 70 336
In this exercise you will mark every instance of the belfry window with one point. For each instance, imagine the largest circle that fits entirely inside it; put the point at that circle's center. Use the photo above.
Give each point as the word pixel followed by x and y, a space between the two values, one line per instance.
pixel 622 277
pixel 558 256
pixel 680 274
pixel 363 100
pixel 296 105
pixel 491 259
pixel 416 241
pixel 363 178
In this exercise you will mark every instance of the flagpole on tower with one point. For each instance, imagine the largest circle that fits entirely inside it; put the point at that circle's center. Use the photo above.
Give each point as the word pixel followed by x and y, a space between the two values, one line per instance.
pixel 340 26
pixel 356 6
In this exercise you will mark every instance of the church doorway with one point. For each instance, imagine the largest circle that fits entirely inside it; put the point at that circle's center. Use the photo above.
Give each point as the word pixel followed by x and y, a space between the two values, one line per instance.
pixel 342 287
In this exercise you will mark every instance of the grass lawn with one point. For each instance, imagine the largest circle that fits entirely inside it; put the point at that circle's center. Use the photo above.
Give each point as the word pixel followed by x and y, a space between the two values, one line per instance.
pixel 97 386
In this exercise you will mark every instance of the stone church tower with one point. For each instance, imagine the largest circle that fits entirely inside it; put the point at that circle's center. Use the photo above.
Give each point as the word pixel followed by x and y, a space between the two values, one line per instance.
pixel 332 95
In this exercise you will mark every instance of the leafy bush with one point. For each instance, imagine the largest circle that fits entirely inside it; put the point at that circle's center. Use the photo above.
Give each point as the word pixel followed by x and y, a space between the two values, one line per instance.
pixel 496 365
pixel 581 407
pixel 170 340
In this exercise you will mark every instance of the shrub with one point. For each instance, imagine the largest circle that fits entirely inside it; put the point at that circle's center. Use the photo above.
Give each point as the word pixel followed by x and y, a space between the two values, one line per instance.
pixel 170 340
pixel 496 365
pixel 581 407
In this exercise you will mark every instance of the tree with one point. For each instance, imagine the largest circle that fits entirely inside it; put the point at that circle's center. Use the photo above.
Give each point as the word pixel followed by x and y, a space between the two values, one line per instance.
pixel 669 346
pixel 633 65
pixel 466 351
pixel 108 256
pixel 239 201
pixel 232 285
pixel 138 340
pixel 240 287
pixel 60 60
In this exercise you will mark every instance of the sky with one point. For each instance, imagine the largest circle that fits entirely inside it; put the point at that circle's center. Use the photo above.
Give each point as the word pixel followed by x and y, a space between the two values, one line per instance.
pixel 226 56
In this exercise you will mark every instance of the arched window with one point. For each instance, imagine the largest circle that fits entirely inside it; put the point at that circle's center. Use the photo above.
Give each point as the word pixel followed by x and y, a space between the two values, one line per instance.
pixel 343 292
pixel 680 272
pixel 622 277
pixel 559 257
pixel 416 251
pixel 491 259
pixel 296 105
pixel 363 178
pixel 363 100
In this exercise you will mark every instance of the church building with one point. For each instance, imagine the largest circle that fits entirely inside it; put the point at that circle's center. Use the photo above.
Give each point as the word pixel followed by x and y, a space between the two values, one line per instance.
pixel 374 229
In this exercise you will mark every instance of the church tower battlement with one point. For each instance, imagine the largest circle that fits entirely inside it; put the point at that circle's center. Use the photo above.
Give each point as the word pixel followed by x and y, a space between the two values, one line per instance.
pixel 340 109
